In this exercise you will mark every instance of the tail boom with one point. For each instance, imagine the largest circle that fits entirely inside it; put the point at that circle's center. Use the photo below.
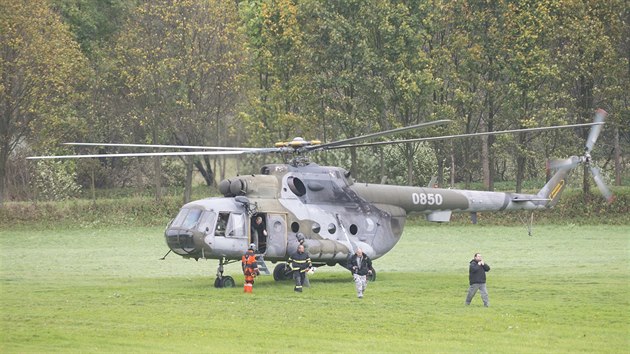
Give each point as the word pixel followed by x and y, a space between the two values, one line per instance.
pixel 438 203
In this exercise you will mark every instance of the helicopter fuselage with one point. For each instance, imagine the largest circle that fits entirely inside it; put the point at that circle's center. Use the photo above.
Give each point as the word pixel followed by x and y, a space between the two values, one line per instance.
pixel 323 208
pixel 312 204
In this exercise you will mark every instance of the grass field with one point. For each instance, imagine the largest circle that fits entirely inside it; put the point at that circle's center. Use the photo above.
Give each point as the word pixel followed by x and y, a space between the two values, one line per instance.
pixel 565 289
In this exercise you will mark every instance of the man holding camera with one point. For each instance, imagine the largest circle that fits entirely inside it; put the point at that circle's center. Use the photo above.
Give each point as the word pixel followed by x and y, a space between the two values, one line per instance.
pixel 477 279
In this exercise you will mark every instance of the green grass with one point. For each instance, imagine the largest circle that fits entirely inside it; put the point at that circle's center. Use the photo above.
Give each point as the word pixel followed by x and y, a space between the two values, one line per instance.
pixel 565 289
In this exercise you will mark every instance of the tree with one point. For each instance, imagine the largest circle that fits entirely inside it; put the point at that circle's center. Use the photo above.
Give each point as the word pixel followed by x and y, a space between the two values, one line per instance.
pixel 42 72
pixel 93 22
pixel 182 64
pixel 594 69
pixel 282 98
pixel 400 39
pixel 347 73
pixel 529 28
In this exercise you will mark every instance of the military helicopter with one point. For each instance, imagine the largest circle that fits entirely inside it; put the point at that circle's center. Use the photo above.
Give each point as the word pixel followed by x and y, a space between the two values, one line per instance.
pixel 324 208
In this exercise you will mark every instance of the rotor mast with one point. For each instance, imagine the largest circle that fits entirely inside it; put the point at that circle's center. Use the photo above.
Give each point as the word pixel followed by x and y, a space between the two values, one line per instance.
pixel 294 151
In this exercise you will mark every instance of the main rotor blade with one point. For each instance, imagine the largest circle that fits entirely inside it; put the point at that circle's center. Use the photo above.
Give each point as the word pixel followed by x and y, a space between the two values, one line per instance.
pixel 165 146
pixel 600 115
pixel 468 135
pixel 376 135
pixel 145 154
pixel 599 181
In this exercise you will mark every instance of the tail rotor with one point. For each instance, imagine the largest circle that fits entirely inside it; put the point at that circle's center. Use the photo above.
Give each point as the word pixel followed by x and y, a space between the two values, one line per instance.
pixel 574 161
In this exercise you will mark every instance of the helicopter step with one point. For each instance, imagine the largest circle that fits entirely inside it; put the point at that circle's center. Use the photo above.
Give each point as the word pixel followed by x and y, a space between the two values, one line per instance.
pixel 262 266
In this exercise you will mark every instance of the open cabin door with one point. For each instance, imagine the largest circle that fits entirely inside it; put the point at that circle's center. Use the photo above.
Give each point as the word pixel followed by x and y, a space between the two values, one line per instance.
pixel 277 236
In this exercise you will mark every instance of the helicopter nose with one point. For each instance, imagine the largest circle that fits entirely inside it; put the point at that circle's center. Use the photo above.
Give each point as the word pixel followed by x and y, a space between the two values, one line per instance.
pixel 181 241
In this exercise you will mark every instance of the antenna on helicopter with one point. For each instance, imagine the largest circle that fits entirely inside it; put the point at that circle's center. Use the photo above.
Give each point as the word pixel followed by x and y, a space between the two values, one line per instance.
pixel 167 253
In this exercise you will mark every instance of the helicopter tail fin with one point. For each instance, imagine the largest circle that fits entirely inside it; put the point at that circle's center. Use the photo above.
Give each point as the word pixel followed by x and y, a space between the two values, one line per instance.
pixel 554 187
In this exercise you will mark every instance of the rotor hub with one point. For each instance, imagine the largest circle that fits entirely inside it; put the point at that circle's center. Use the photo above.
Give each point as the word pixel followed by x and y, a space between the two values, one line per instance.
pixel 587 158
pixel 297 143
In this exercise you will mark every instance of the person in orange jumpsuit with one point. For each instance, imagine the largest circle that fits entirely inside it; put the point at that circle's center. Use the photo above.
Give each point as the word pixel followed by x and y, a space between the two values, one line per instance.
pixel 250 268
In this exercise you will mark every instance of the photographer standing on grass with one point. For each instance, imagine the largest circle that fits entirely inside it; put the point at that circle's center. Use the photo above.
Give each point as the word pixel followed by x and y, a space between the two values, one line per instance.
pixel 477 278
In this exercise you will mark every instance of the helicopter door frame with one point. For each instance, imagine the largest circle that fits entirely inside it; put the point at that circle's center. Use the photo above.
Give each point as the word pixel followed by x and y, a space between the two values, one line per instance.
pixel 254 236
pixel 276 235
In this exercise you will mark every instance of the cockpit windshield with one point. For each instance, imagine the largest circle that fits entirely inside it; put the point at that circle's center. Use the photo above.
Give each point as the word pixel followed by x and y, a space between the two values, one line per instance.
pixel 191 218
pixel 179 219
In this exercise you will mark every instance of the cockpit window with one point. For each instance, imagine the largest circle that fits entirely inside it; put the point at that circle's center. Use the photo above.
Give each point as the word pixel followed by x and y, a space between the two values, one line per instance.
pixel 191 218
pixel 206 220
pixel 179 219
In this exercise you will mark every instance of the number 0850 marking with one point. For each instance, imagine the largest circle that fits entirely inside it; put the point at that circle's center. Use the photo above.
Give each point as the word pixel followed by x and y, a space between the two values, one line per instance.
pixel 427 198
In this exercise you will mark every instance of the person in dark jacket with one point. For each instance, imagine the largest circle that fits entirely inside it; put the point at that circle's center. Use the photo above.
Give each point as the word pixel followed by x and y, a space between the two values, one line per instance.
pixel 361 266
pixel 477 279
pixel 301 239
pixel 300 263
pixel 259 234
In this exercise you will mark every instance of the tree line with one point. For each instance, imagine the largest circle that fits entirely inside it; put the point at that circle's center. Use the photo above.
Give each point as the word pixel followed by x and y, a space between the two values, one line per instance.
pixel 253 72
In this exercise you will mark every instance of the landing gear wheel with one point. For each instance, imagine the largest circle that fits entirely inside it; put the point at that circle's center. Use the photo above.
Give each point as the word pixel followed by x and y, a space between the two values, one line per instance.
pixel 227 282
pixel 224 282
pixel 372 277
pixel 281 272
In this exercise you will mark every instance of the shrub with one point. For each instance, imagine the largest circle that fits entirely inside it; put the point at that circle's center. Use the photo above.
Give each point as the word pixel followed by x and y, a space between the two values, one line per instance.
pixel 55 180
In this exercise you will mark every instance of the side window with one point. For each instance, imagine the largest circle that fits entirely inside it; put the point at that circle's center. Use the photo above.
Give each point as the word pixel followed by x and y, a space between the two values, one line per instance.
pixel 222 223
pixel 207 218
pixel 236 225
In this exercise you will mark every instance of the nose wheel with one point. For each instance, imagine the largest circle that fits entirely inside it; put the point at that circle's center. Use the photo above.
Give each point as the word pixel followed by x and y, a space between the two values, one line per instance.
pixel 223 281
